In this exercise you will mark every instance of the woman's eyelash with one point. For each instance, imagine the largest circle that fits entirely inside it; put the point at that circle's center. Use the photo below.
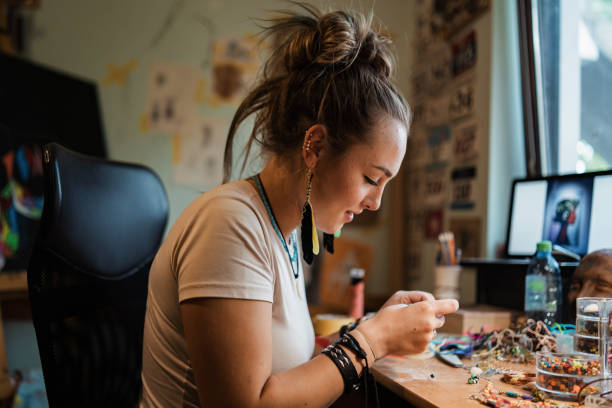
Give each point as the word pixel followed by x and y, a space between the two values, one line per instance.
pixel 370 181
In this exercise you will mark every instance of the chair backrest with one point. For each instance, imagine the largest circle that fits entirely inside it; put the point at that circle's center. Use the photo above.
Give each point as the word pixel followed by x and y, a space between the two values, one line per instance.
pixel 101 226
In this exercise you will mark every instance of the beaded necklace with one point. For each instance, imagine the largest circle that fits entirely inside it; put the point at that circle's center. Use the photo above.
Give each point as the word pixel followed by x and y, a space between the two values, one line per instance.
pixel 293 258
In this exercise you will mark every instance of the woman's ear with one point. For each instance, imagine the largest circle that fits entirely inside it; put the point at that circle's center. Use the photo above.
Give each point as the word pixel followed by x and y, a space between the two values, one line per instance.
pixel 315 143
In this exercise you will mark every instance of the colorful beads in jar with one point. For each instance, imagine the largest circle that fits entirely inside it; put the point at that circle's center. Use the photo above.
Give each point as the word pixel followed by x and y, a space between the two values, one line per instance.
pixel 586 344
pixel 572 364
pixel 565 384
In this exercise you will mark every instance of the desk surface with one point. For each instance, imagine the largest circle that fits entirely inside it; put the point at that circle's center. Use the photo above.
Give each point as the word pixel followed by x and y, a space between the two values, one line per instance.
pixel 410 379
pixel 13 284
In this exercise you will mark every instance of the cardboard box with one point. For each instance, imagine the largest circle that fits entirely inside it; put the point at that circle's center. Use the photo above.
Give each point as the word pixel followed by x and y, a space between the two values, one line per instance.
pixel 474 318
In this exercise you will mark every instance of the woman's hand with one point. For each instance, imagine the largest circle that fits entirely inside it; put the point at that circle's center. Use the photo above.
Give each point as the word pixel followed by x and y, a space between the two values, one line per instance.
pixel 407 297
pixel 406 328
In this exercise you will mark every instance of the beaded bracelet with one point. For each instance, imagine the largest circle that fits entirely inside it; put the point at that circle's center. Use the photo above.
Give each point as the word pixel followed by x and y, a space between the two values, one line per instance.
pixel 345 365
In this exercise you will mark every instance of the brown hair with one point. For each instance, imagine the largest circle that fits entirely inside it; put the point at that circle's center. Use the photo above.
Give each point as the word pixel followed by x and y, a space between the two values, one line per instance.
pixel 332 69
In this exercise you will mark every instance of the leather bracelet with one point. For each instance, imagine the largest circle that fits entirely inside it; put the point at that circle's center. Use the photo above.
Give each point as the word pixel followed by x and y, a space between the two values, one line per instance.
pixel 351 342
pixel 345 365
pixel 348 327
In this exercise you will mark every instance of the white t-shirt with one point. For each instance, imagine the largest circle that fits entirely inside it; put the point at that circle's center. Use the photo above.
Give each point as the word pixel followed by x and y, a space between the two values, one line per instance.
pixel 222 245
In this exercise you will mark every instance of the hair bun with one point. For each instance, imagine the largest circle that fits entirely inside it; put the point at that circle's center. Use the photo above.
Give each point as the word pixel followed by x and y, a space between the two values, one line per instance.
pixel 338 39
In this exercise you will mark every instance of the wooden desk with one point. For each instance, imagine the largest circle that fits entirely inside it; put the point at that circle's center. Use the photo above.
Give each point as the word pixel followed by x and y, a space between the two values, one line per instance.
pixel 411 380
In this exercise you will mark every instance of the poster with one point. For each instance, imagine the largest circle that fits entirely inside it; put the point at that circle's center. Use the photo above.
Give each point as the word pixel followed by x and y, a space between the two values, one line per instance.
pixel 464 188
pixel 434 222
pixel 465 142
pixel 467 235
pixel 461 101
pixel 464 53
pixel 439 147
pixel 234 68
pixel 172 96
pixel 436 187
pixel 198 152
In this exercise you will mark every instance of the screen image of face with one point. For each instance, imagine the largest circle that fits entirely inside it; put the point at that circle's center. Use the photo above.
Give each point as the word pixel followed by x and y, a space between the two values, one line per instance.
pixel 567 214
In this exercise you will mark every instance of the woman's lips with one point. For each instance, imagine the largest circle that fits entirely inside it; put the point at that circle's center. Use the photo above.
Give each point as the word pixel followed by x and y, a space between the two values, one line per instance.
pixel 349 216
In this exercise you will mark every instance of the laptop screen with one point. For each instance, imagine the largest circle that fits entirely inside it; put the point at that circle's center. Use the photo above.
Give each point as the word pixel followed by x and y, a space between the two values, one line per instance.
pixel 572 211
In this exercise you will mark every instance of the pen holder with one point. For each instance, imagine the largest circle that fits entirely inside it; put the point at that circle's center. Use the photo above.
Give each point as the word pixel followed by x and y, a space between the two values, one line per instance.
pixel 446 281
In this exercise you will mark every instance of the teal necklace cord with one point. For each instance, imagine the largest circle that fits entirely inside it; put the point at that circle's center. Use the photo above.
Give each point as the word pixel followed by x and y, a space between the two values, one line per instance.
pixel 292 258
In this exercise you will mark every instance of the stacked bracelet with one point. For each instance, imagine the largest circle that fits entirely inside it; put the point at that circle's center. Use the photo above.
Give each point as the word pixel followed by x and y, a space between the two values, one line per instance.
pixel 345 365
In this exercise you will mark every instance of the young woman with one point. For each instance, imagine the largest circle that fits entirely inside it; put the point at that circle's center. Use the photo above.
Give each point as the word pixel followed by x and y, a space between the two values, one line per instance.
pixel 227 321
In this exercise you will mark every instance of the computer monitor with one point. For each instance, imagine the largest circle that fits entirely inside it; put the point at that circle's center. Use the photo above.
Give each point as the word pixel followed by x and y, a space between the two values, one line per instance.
pixel 572 211
pixel 37 105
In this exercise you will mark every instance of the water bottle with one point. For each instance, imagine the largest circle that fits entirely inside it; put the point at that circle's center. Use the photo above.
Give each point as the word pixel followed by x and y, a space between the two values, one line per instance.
pixel 543 294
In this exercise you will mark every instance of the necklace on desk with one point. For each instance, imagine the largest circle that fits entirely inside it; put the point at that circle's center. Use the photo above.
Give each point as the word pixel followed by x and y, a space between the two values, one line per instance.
pixel 293 255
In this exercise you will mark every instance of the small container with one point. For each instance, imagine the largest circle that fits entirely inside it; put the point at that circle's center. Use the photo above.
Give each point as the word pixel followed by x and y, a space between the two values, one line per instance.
pixel 568 363
pixel 563 375
pixel 590 306
pixel 587 326
pixel 586 344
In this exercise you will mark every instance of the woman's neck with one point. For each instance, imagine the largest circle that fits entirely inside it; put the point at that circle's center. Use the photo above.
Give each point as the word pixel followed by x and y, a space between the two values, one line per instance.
pixel 286 191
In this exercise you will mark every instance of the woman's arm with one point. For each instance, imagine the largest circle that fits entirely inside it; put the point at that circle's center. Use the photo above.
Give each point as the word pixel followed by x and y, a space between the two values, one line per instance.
pixel 230 347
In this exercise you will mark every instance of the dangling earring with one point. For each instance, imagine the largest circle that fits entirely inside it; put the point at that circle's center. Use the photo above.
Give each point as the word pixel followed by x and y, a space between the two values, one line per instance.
pixel 310 239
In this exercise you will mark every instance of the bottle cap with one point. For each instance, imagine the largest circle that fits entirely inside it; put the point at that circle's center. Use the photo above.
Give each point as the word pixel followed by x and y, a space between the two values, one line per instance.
pixel 544 246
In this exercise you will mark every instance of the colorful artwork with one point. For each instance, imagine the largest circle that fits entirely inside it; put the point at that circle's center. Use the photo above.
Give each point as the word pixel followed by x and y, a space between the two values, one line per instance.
pixel 568 214
pixel 21 201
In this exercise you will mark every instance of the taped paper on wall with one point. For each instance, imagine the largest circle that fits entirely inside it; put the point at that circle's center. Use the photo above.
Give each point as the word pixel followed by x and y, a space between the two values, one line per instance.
pixel 436 189
pixel 172 97
pixel 464 53
pixel 198 156
pixel 434 222
pixel 465 142
pixel 461 101
pixel 464 188
pixel 234 68
pixel 439 147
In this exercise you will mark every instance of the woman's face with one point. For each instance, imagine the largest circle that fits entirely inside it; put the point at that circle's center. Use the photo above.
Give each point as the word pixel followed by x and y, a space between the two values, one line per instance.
pixel 344 187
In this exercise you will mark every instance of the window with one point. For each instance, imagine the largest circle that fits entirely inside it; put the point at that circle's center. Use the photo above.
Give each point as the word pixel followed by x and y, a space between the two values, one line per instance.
pixel 566 50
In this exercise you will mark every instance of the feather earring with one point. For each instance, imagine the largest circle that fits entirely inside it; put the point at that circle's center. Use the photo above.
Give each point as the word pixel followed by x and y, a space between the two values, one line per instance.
pixel 310 239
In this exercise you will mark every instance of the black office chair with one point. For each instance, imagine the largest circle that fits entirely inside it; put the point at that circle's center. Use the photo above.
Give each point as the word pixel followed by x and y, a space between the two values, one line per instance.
pixel 101 226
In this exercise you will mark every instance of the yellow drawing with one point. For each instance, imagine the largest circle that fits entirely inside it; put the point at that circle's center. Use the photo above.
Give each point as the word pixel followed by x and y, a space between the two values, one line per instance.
pixel 118 74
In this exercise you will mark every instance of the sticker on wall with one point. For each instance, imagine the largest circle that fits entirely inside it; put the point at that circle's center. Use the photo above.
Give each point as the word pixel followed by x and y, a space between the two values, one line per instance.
pixel 439 147
pixel 465 142
pixel 434 221
pixel 464 188
pixel 234 68
pixel 198 152
pixel 172 97
pixel 467 235
pixel 464 53
pixel 461 101
pixel 436 182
